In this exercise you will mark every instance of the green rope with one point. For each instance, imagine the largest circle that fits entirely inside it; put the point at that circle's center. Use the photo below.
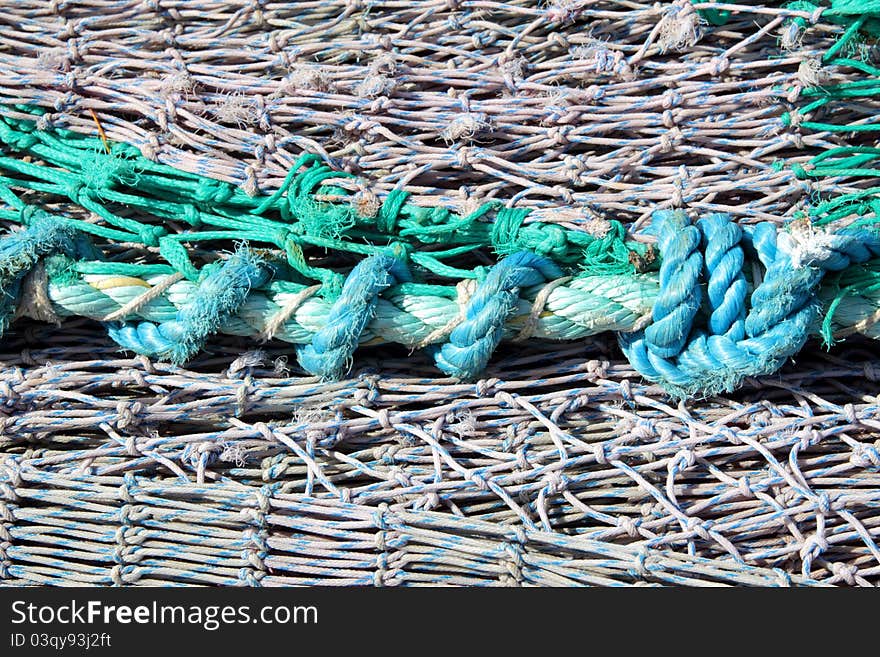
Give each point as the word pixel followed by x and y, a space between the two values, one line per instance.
pixel 136 198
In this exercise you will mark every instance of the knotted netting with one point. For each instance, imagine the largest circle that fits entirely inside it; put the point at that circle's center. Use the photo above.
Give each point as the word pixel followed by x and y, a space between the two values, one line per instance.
pixel 453 292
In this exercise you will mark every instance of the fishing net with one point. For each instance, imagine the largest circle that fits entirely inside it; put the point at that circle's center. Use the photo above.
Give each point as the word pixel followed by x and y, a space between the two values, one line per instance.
pixel 327 293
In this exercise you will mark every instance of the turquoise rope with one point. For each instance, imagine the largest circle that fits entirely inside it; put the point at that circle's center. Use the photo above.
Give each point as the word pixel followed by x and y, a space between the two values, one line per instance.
pixel 690 360
pixel 329 354
pixel 222 290
pixel 472 342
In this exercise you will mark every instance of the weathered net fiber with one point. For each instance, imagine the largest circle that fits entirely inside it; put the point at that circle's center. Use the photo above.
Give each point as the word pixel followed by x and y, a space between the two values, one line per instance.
pixel 560 468
pixel 572 107
pixel 560 465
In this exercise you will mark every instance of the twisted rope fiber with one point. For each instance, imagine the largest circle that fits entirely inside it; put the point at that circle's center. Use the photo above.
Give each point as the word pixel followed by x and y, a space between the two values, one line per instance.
pixel 790 291
pixel 472 342
pixel 330 351
pixel 736 343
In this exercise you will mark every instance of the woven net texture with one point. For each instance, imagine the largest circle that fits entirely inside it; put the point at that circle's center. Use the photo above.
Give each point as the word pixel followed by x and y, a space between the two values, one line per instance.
pixel 560 466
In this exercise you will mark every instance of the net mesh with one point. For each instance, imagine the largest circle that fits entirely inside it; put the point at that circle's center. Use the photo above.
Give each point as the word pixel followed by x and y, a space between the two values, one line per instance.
pixel 560 465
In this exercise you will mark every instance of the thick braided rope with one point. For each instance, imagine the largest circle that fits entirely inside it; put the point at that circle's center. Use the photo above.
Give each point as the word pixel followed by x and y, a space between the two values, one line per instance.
pixel 784 306
pixel 235 297
pixel 406 313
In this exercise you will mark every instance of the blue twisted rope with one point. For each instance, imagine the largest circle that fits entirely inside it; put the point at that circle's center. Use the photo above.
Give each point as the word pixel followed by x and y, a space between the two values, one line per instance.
pixel 330 352
pixel 727 287
pixel 735 343
pixel 221 292
pixel 680 295
pixel 472 342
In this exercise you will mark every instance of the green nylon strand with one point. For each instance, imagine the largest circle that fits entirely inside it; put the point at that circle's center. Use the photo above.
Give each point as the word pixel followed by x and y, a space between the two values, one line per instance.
pixel 134 197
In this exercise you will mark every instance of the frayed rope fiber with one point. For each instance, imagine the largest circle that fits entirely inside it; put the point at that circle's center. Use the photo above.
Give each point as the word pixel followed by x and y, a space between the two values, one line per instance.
pixel 219 294
pixel 389 184
pixel 21 251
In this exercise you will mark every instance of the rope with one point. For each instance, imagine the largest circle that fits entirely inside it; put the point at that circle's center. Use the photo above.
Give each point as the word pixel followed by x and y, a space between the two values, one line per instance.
pixel 472 342
pixel 218 296
pixel 174 316
pixel 329 352
pixel 411 314
pixel 298 215
pixel 736 342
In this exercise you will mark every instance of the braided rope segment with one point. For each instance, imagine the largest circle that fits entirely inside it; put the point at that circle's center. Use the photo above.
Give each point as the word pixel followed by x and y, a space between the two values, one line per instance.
pixel 737 341
pixel 218 295
pixel 472 342
pixel 329 353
